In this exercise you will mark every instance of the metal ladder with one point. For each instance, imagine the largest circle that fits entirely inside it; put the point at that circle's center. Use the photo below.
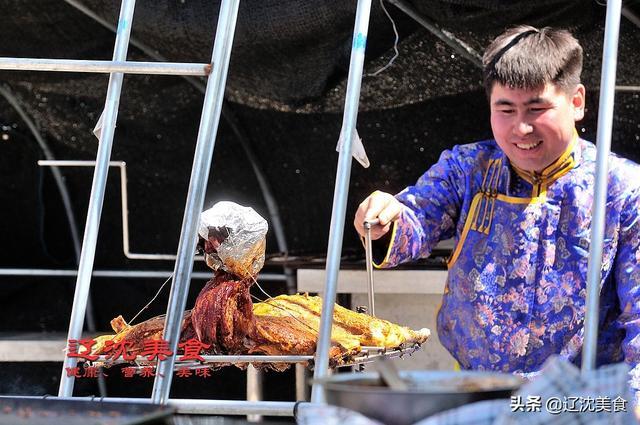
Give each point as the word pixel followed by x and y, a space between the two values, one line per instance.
pixel 216 73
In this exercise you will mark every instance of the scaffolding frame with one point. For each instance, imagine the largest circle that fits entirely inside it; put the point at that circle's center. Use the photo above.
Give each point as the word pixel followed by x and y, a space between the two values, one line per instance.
pixel 216 74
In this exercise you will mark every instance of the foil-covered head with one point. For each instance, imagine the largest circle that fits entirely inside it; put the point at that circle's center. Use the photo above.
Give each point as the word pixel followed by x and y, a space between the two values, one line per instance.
pixel 234 238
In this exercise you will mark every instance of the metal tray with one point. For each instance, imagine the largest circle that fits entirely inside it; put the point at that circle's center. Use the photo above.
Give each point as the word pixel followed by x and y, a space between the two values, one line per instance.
pixel 47 411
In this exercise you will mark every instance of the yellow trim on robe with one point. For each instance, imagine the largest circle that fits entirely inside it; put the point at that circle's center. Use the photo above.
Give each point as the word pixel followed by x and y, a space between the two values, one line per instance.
pixel 553 171
pixel 393 238
pixel 465 230
pixel 517 200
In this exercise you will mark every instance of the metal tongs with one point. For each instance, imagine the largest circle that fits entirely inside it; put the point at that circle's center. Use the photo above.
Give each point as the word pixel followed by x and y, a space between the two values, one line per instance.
pixel 369 260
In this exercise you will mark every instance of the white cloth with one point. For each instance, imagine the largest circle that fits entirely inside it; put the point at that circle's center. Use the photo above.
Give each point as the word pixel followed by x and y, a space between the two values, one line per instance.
pixel 357 148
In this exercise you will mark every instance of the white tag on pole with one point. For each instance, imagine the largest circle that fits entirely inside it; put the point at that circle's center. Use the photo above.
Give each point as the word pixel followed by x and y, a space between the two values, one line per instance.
pixel 357 148
pixel 97 130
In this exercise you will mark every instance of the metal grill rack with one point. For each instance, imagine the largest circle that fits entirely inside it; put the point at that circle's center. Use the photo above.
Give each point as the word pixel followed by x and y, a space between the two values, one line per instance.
pixel 366 355
pixel 216 72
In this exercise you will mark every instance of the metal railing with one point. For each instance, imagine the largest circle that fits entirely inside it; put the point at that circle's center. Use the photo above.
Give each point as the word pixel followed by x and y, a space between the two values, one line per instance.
pixel 124 197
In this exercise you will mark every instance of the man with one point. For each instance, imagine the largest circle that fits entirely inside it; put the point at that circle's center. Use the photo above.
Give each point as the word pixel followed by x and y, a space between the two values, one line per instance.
pixel 519 210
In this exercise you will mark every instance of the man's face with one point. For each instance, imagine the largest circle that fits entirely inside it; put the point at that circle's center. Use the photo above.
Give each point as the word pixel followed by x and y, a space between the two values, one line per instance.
pixel 535 127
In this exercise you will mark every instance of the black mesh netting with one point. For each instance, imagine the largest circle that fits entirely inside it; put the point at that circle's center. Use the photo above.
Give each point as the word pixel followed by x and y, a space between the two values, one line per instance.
pixel 293 55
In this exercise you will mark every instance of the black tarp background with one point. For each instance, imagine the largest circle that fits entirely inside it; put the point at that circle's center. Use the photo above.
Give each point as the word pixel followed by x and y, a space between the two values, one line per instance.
pixel 286 88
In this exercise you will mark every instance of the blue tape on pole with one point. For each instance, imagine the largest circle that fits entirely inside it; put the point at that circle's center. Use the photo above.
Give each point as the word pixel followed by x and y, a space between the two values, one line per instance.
pixel 360 41
pixel 122 25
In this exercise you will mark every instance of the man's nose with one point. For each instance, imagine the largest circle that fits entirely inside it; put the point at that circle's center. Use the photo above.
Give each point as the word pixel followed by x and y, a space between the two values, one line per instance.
pixel 522 127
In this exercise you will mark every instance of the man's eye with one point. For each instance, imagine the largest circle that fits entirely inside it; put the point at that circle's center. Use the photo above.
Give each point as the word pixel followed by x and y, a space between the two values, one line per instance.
pixel 537 110
pixel 505 111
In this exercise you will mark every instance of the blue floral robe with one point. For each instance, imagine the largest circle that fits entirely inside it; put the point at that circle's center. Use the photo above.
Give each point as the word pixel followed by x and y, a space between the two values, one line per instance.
pixel 516 285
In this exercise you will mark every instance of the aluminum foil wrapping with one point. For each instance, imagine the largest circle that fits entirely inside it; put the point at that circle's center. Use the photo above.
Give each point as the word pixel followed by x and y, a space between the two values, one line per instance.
pixel 235 238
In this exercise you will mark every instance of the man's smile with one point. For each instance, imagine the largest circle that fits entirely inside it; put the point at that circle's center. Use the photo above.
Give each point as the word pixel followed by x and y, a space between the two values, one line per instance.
pixel 529 145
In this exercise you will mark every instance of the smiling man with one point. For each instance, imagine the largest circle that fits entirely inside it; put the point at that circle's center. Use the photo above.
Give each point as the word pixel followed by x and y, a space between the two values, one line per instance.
pixel 534 127
pixel 519 210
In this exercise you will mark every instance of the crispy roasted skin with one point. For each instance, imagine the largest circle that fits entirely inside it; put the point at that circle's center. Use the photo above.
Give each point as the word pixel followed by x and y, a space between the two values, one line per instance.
pixel 289 324
pixel 279 335
pixel 136 334
pixel 350 330
pixel 223 314
pixel 296 314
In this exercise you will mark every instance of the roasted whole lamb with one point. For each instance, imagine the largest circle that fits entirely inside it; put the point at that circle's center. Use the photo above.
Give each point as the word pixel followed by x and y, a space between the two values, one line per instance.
pixel 225 318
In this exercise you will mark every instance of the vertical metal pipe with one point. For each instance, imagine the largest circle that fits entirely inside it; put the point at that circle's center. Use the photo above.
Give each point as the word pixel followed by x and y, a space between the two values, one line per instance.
pixel 97 193
pixel 341 191
pixel 302 394
pixel 632 17
pixel 603 139
pixel 254 389
pixel 195 197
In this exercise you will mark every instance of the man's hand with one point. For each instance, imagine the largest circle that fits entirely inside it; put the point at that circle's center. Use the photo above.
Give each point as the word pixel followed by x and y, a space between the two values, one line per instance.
pixel 382 206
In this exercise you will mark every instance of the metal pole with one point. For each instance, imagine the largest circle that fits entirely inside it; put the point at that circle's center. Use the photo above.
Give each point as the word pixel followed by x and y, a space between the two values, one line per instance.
pixel 603 139
pixel 97 193
pixel 96 66
pixel 448 38
pixel 302 392
pixel 195 198
pixel 134 274
pixel 254 389
pixel 336 231
pixel 627 88
pixel 628 13
pixel 232 407
pixel 195 406
pixel 255 358
pixel 124 210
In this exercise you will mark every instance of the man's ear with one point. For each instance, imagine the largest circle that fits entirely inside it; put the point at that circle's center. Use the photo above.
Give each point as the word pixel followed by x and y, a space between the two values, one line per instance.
pixel 578 102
